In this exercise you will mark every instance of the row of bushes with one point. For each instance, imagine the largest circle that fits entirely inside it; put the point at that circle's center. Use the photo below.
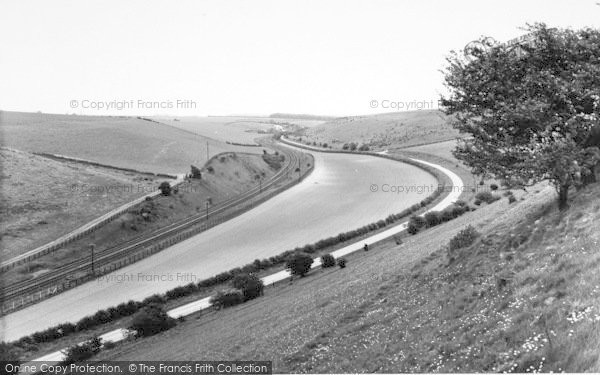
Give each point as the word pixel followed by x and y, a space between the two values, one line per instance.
pixel 131 307
pixel 353 147
pixel 300 263
pixel 153 319
pixel 433 218
pixel 246 287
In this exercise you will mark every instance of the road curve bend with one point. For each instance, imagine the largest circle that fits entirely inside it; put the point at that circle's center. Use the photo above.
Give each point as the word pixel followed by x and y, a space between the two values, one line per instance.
pixel 336 197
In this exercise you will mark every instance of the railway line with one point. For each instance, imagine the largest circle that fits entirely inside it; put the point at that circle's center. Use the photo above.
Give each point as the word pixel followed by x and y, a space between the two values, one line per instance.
pixel 136 245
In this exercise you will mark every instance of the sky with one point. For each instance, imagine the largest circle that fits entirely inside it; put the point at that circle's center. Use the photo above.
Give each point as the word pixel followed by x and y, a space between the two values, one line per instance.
pixel 249 57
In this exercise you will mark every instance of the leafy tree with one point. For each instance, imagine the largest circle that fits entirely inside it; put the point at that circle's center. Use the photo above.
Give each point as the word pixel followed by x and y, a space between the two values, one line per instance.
pixel 151 320
pixel 227 299
pixel 327 260
pixel 165 188
pixel 531 107
pixel 250 285
pixel 299 264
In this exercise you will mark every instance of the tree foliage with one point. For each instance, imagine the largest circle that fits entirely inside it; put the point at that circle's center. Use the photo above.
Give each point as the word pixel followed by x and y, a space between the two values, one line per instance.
pixel 250 285
pixel 299 264
pixel 530 107
pixel 151 320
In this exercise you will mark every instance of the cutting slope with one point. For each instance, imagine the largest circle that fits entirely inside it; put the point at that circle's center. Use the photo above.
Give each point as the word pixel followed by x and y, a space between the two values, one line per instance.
pixel 336 197
pixel 42 199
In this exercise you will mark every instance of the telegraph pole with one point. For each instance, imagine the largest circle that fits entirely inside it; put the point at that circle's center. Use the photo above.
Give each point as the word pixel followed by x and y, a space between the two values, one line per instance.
pixel 207 211
pixel 92 246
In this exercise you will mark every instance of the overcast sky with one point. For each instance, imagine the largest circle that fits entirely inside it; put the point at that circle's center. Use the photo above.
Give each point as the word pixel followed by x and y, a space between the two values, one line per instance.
pixel 247 57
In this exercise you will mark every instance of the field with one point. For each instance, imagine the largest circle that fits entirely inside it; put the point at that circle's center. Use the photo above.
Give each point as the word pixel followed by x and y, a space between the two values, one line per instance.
pixel 241 130
pixel 128 142
pixel 42 199
pixel 232 174
pixel 524 297
pixel 401 129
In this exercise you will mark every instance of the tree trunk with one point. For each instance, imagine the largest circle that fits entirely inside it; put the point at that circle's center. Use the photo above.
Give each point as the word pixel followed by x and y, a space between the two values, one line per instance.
pixel 563 196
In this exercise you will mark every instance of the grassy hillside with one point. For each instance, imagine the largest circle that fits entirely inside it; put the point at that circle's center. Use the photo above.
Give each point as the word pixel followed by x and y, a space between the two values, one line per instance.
pixel 119 141
pixel 240 130
pixel 42 199
pixel 399 129
pixel 524 297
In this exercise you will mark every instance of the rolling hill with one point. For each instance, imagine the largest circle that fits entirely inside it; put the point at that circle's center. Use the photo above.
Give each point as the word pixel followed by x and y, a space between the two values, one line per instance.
pixel 128 142
pixel 399 129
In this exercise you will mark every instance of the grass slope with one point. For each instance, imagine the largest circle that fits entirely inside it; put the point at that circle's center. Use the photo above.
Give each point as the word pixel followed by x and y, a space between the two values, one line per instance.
pixel 523 298
pixel 119 141
pixel 42 199
pixel 400 129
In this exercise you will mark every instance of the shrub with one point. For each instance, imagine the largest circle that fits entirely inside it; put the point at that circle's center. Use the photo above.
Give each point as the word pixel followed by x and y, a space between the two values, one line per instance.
pixel 101 317
pixel 433 218
pixel 151 320
pixel 447 214
pixel 299 264
pixel 412 228
pixel 418 221
pixel 464 238
pixel 327 260
pixel 341 262
pixel 250 286
pixel 352 146
pixel 459 210
pixel 8 354
pixel 486 196
pixel 210 169
pixel 511 199
pixel 165 188
pixel 363 147
pixel 84 323
pixel 227 299
pixel 477 202
pixel 155 298
pixel 345 146
pixel 83 351
pixel 494 187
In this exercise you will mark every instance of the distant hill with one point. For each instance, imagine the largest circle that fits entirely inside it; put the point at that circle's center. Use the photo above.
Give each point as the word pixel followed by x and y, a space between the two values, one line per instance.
pixel 302 116
pixel 398 129
pixel 136 143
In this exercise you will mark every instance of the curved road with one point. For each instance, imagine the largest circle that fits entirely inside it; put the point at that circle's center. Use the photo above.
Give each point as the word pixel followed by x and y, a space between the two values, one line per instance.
pixel 335 198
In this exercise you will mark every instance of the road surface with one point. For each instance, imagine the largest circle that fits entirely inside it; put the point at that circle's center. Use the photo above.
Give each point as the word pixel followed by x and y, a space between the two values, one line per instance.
pixel 337 197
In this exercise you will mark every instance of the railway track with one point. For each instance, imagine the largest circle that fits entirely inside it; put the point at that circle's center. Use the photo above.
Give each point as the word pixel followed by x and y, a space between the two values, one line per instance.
pixel 133 246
